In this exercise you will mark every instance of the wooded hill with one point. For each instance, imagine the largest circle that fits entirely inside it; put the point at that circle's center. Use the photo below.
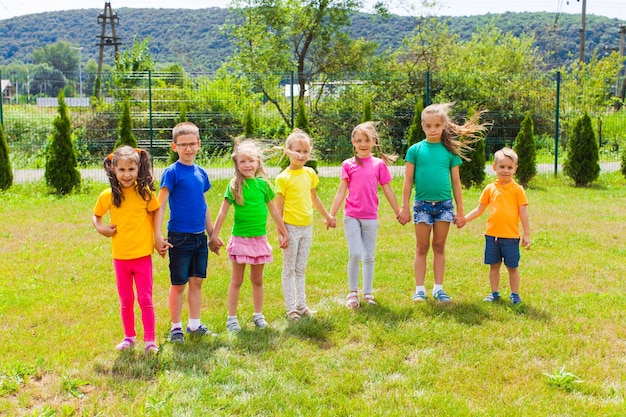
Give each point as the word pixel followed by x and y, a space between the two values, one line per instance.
pixel 194 38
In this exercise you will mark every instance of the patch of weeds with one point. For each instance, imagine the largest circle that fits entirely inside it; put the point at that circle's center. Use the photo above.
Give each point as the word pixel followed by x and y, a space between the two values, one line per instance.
pixel 46 411
pixel 73 386
pixel 20 372
pixel 564 380
pixel 159 406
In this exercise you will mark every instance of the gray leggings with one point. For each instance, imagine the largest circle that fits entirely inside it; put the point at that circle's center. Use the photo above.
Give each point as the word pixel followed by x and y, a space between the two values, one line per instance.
pixel 361 236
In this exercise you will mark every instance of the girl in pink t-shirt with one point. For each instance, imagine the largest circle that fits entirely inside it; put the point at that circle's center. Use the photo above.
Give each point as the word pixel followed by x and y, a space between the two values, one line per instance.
pixel 360 177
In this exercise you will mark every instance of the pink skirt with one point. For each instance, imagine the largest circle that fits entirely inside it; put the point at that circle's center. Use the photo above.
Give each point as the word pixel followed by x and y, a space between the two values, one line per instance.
pixel 249 250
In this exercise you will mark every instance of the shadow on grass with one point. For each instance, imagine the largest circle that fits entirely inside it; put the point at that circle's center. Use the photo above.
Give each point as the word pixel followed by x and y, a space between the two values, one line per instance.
pixel 313 329
pixel 525 310
pixel 470 314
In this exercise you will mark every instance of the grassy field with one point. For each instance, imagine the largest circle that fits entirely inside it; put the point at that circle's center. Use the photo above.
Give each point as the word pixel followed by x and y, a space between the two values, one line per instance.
pixel 560 353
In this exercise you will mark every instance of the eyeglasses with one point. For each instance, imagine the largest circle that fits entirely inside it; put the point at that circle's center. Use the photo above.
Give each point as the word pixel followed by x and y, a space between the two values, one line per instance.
pixel 189 145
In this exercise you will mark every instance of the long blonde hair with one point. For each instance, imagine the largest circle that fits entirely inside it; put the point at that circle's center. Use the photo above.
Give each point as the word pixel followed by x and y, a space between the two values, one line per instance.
pixel 369 130
pixel 247 147
pixel 469 132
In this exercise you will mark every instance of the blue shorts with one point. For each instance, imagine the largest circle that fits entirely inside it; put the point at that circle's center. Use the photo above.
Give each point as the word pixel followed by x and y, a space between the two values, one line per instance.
pixel 499 248
pixel 188 256
pixel 430 212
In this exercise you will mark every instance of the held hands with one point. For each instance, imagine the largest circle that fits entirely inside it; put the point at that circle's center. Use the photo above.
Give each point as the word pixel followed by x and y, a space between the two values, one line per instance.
pixel 403 216
pixel 162 245
pixel 283 240
pixel 460 221
pixel 215 244
pixel 330 222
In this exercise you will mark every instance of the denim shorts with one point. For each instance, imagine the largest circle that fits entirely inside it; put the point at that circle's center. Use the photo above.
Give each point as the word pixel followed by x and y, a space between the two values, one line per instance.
pixel 499 248
pixel 430 212
pixel 188 256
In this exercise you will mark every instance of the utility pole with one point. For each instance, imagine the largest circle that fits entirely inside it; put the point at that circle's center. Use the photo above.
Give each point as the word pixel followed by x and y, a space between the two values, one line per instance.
pixel 107 17
pixel 582 31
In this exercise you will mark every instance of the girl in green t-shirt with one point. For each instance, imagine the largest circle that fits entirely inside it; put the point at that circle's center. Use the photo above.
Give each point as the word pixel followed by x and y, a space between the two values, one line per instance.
pixel 251 194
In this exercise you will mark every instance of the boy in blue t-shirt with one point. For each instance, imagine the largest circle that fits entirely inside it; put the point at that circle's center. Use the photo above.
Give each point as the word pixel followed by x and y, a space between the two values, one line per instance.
pixel 183 186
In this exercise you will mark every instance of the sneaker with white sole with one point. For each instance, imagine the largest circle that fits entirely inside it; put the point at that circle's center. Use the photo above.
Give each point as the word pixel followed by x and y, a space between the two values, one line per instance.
pixel 259 321
pixel 441 296
pixel 419 296
pixel 232 325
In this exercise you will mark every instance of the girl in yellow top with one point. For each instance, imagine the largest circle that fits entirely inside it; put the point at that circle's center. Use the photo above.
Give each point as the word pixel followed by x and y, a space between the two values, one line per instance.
pixel 295 198
pixel 131 203
pixel 508 206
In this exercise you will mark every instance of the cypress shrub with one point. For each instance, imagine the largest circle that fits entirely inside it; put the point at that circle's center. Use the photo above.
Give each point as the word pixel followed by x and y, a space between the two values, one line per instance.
pixel 526 151
pixel 623 167
pixel 302 123
pixel 182 117
pixel 61 173
pixel 582 161
pixel 248 124
pixel 6 173
pixel 416 133
pixel 125 128
pixel 472 172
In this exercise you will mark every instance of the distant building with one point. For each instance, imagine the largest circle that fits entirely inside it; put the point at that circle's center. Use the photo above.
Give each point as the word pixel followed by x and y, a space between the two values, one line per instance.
pixel 8 91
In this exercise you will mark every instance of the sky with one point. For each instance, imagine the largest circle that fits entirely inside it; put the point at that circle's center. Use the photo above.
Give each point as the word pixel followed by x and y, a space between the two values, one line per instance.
pixel 609 8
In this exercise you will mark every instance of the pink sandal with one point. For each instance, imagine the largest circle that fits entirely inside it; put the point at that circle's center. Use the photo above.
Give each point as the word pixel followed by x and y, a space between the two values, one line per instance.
pixel 369 299
pixel 353 300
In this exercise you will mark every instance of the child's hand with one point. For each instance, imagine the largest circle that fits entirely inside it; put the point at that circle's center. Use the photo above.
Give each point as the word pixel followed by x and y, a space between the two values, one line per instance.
pixel 526 242
pixel 330 222
pixel 107 231
pixel 215 244
pixel 460 221
pixel 162 245
pixel 283 241
pixel 403 216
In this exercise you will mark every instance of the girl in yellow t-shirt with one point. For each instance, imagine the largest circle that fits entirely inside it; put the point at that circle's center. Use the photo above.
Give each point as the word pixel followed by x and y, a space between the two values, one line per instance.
pixel 131 203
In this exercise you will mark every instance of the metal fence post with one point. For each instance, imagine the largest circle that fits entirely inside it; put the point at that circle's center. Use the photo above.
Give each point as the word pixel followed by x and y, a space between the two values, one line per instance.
pixel 556 125
pixel 427 93
pixel 293 123
pixel 150 116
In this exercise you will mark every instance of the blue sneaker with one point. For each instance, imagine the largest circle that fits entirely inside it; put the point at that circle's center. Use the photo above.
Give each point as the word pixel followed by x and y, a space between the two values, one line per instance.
pixel 515 298
pixel 200 331
pixel 419 296
pixel 442 296
pixel 493 297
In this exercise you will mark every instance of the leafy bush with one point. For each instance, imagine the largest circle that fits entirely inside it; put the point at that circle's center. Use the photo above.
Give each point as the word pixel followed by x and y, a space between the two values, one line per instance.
pixel 6 173
pixel 582 162
pixel 415 132
pixel 61 173
pixel 526 151
pixel 472 172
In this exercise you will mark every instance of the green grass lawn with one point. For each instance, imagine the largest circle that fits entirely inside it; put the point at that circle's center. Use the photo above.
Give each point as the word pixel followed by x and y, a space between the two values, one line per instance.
pixel 561 353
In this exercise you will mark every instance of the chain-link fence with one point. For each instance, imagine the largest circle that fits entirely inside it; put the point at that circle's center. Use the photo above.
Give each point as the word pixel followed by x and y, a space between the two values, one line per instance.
pixel 219 105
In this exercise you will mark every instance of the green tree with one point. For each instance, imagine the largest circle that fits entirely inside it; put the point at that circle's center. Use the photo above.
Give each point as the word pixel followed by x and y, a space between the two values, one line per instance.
pixel 416 133
pixel 131 66
pixel 248 123
pixel 472 171
pixel 61 173
pixel 6 173
pixel 61 55
pixel 309 37
pixel 582 161
pixel 526 151
pixel 367 110
pixel 125 128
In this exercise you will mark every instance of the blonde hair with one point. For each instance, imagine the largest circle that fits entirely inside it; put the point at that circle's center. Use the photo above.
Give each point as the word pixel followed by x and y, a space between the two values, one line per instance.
pixel 505 153
pixel 247 147
pixel 369 130
pixel 185 128
pixel 469 132
pixel 145 181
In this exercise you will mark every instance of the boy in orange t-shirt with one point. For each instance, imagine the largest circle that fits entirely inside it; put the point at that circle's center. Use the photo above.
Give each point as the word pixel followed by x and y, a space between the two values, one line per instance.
pixel 508 205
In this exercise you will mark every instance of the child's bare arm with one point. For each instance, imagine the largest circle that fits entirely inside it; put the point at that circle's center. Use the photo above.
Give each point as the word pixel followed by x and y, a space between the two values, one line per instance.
pixel 283 236
pixel 523 215
pixel 404 215
pixel 391 198
pixel 215 243
pixel 329 220
pixel 103 229
pixel 338 200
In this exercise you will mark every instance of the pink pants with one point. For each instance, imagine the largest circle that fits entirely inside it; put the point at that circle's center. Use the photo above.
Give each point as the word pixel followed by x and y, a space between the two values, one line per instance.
pixel 140 271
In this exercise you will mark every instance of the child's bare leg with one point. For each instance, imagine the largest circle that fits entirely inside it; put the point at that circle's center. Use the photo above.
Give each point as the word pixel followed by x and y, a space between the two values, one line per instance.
pixel 236 279
pixel 256 277
pixel 494 276
pixel 176 302
pixel 422 244
pixel 514 279
pixel 440 234
pixel 194 297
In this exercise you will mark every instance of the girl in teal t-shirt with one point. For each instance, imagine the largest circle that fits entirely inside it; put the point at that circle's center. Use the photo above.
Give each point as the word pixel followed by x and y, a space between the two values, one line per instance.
pixel 251 194
pixel 432 168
